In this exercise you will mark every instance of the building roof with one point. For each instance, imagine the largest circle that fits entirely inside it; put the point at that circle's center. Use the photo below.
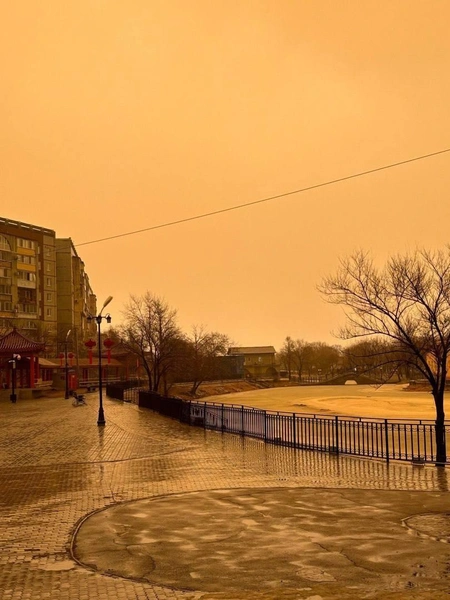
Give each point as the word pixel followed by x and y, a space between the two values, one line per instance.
pixel 27 226
pixel 252 350
pixel 15 342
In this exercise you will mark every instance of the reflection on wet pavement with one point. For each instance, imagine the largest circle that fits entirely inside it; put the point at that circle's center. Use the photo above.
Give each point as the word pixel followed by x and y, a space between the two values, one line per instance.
pixel 57 466
pixel 248 539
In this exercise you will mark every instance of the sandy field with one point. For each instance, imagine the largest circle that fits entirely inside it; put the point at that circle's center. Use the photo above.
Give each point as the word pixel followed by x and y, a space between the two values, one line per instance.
pixel 388 401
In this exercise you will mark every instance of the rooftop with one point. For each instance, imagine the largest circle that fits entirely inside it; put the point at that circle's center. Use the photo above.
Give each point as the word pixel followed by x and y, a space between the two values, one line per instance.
pixel 27 226
pixel 252 350
pixel 17 343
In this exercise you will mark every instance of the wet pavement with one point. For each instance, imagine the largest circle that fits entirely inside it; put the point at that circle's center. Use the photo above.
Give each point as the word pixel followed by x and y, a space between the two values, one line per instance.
pixel 148 508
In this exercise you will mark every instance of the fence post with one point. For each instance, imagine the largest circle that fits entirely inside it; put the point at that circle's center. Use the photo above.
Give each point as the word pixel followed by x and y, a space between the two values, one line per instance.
pixel 336 424
pixel 242 420
pixel 204 416
pixel 386 439
pixel 265 425
pixel 294 434
pixel 223 420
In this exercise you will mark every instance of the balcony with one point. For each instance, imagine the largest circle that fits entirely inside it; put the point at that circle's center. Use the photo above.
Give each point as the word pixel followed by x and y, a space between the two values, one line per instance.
pixel 26 309
pixel 24 283
pixel 25 315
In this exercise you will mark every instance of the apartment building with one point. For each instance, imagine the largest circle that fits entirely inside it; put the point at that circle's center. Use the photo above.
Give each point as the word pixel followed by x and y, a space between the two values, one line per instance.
pixel 44 289
pixel 76 300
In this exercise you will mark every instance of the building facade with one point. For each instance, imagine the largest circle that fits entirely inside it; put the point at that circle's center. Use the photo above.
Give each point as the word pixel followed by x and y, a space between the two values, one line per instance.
pixel 44 289
pixel 259 361
pixel 76 300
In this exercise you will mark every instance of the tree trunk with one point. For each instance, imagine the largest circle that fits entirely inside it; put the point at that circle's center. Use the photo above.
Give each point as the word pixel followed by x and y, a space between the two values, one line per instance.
pixel 440 437
pixel 195 386
pixel 149 375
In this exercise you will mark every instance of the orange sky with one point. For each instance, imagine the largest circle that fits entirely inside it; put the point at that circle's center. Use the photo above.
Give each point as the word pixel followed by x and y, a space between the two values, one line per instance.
pixel 122 115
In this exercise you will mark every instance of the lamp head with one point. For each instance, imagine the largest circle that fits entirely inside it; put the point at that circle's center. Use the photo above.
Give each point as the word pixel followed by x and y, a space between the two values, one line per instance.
pixel 107 301
pixel 108 318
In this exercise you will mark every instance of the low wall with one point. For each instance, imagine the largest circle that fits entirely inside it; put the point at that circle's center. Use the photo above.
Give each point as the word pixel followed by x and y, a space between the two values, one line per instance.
pixel 22 393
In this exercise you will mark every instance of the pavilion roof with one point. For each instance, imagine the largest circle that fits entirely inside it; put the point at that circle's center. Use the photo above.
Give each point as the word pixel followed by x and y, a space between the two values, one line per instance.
pixel 15 342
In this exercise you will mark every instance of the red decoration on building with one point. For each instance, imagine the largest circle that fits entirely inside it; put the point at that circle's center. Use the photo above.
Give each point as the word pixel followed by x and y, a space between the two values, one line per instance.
pixel 61 356
pixel 90 344
pixel 70 355
pixel 108 345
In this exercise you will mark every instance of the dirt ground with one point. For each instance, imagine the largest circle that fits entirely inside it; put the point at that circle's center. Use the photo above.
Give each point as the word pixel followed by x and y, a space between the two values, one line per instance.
pixel 214 388
pixel 387 401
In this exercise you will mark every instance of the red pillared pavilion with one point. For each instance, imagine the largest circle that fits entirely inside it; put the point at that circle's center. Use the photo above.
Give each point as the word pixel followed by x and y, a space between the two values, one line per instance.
pixel 27 367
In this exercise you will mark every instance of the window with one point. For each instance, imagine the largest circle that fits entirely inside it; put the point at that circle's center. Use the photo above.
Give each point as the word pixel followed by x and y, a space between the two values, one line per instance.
pixel 5 272
pixel 27 308
pixel 22 243
pixel 4 244
pixel 5 289
pixel 26 260
pixel 49 282
pixel 49 297
pixel 5 255
pixel 5 305
pixel 49 312
pixel 25 295
pixel 26 276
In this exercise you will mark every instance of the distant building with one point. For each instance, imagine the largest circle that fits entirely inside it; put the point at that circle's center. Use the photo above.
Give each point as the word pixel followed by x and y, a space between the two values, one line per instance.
pixel 259 361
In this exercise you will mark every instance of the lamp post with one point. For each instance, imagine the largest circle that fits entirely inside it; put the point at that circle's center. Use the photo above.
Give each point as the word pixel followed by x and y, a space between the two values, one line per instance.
pixel 15 358
pixel 66 396
pixel 98 320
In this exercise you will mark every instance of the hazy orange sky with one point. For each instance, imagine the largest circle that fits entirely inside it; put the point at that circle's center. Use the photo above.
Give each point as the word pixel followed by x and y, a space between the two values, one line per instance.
pixel 117 116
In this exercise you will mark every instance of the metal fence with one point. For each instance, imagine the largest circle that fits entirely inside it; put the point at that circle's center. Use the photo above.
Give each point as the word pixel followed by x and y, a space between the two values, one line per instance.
pixel 124 390
pixel 387 439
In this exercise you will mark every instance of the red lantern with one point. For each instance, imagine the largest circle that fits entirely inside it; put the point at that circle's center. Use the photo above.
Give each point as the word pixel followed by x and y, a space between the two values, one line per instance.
pixel 90 344
pixel 61 356
pixel 70 355
pixel 108 345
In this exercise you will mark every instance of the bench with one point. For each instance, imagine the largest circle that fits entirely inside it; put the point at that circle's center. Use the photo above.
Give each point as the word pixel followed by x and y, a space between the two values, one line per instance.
pixel 78 397
pixel 91 388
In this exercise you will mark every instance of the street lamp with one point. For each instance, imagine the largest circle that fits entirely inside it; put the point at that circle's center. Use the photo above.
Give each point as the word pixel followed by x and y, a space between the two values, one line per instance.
pixel 13 396
pixel 66 396
pixel 98 320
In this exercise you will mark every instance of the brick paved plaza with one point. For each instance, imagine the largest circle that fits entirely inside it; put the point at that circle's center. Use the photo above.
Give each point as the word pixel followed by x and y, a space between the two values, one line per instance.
pixel 218 517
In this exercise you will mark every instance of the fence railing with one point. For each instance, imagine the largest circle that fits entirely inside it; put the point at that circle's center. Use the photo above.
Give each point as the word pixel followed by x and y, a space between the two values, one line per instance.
pixel 387 439
pixel 118 389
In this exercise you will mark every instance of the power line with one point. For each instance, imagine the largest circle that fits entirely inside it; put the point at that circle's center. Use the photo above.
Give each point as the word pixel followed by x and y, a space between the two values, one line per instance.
pixel 268 199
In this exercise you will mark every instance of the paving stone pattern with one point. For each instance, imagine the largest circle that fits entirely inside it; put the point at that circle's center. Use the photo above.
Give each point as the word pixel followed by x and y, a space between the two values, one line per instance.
pixel 57 466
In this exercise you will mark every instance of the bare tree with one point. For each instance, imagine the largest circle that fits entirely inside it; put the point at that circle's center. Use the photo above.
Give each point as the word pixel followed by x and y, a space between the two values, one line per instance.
pixel 324 358
pixel 406 302
pixel 300 356
pixel 285 355
pixel 378 358
pixel 150 331
pixel 205 347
